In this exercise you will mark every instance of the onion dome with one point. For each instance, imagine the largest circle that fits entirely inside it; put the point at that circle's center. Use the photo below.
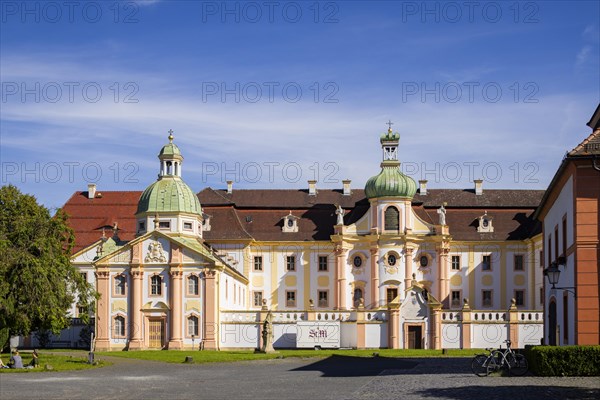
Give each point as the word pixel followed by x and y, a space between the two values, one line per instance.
pixel 390 182
pixel 169 194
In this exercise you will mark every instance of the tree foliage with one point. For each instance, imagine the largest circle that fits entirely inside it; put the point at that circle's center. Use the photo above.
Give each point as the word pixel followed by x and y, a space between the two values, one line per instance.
pixel 38 284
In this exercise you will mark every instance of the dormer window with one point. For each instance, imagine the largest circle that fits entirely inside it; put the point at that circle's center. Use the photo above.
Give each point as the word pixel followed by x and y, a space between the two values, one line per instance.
pixel 290 223
pixel 485 224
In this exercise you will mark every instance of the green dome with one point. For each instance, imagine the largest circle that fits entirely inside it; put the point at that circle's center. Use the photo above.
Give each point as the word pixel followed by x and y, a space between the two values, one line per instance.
pixel 390 183
pixel 169 195
pixel 170 150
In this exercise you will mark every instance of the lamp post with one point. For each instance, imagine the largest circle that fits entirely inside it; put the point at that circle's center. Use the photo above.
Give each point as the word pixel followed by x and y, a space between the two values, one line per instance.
pixel 553 274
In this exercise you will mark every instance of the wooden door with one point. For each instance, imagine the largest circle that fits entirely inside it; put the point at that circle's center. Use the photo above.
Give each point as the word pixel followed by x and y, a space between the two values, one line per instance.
pixel 157 333
pixel 415 337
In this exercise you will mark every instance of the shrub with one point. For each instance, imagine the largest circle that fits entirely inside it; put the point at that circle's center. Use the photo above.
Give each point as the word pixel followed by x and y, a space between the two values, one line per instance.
pixel 564 360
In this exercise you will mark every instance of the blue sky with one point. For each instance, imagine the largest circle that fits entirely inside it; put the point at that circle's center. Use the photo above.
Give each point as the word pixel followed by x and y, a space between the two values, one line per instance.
pixel 271 94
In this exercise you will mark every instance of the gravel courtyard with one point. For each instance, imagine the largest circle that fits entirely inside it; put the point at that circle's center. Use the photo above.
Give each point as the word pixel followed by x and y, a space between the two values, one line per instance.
pixel 335 377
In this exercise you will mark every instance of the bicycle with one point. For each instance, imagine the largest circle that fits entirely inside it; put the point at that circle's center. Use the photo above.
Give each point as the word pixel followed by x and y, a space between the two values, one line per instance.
pixel 516 364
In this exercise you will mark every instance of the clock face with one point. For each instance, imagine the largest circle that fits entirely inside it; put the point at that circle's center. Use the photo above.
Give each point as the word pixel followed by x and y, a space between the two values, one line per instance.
pixel 424 261
pixel 357 261
pixel 392 259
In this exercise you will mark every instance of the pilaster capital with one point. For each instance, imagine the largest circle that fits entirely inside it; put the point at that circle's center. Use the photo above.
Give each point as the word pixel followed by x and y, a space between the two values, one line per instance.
pixel 210 273
pixel 176 272
pixel 137 273
pixel 102 273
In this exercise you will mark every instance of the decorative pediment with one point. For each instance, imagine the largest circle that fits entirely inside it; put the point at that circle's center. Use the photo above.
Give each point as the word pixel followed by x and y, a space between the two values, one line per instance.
pixel 155 306
pixel 414 305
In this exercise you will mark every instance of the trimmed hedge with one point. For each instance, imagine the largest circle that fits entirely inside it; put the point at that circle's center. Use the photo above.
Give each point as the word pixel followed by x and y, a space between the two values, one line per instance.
pixel 564 360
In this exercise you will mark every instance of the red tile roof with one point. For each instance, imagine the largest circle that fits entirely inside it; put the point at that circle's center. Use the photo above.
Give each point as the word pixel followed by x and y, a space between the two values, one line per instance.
pixel 247 214
pixel 88 216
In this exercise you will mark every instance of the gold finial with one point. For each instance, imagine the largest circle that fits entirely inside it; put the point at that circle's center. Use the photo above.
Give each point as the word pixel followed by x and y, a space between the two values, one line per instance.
pixel 171 136
pixel 389 124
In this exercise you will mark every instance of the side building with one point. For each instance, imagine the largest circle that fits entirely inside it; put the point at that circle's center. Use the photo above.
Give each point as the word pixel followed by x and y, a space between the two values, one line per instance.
pixel 392 265
pixel 571 230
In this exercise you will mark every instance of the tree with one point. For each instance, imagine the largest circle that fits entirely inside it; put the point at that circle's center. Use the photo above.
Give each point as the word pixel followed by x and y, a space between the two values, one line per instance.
pixel 38 284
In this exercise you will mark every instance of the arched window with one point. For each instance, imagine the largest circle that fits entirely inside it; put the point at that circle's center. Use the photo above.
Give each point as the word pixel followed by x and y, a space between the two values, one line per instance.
pixel 119 326
pixel 358 294
pixel 156 285
pixel 192 285
pixel 392 219
pixel 193 326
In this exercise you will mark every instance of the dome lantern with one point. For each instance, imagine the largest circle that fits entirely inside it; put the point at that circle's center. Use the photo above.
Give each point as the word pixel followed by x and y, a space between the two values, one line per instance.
pixel 390 182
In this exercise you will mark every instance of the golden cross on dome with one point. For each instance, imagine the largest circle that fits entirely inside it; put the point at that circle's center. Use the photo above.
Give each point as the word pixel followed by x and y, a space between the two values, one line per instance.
pixel 389 124
pixel 171 136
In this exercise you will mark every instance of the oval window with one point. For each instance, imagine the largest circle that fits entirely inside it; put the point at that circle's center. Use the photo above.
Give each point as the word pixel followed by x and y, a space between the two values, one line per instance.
pixel 357 261
pixel 424 261
pixel 290 222
pixel 392 260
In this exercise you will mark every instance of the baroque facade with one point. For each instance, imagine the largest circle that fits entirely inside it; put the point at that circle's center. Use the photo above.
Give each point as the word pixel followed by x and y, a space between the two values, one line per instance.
pixel 392 265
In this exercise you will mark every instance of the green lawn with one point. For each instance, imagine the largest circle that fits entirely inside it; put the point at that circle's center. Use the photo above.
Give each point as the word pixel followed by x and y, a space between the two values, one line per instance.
pixel 54 361
pixel 178 356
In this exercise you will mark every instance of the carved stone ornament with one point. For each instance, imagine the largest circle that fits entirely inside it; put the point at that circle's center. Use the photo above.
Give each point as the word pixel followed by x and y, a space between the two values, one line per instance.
pixel 156 253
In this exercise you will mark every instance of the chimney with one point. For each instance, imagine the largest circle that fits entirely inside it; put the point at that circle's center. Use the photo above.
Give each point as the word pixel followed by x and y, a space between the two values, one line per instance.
pixel 229 187
pixel 347 190
pixel 91 190
pixel 312 188
pixel 478 187
pixel 423 187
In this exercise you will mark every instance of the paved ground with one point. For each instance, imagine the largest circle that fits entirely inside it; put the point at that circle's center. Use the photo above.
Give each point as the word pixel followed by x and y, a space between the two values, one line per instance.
pixel 331 378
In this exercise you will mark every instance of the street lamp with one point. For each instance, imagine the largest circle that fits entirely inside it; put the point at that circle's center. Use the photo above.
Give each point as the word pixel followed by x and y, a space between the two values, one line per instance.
pixel 553 274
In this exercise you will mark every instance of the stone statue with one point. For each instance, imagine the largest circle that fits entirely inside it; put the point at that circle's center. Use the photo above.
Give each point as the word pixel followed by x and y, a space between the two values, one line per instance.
pixel 340 215
pixel 267 335
pixel 442 213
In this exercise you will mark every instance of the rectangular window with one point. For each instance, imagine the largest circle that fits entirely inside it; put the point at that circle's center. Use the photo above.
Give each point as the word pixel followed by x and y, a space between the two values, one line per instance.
pixel 486 296
pixel 187 226
pixel 258 263
pixel 141 226
pixel 164 225
pixel 519 262
pixel 520 298
pixel 258 298
pixel 455 297
pixel 323 263
pixel 391 293
pixel 542 295
pixel 156 285
pixel 290 298
pixel 192 285
pixel 486 263
pixel 564 236
pixel 456 263
pixel 291 263
pixel 323 296
pixel 81 311
pixel 83 276
pixel 541 255
pixel 120 282
pixel 549 249
pixel 556 242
